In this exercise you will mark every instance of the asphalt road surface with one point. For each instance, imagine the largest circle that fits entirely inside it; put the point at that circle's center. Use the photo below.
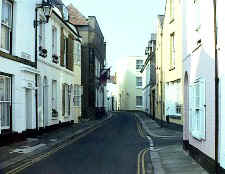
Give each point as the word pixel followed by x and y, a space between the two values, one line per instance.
pixel 110 149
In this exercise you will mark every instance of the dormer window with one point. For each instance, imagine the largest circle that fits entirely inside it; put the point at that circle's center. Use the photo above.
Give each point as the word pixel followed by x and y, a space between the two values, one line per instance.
pixel 6 25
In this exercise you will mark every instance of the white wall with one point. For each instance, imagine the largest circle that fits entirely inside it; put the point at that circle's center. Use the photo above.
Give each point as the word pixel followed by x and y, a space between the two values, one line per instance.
pixel 199 62
pixel 221 53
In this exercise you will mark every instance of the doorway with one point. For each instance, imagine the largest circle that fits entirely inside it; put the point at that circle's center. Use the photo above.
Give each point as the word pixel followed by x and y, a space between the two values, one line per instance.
pixel 153 104
pixel 28 105
pixel 45 102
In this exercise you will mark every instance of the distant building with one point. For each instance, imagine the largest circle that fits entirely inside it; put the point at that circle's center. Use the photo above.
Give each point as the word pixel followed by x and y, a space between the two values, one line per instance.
pixel 148 71
pixel 112 93
pixel 130 83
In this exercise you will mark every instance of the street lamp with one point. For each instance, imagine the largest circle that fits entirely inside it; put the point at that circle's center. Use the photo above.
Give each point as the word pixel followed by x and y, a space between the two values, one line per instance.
pixel 47 10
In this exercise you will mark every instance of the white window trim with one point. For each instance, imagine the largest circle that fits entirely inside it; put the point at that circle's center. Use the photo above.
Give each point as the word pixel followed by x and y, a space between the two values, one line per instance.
pixel 6 101
pixel 197 132
pixel 77 94
pixel 137 82
pixel 54 50
pixel 8 26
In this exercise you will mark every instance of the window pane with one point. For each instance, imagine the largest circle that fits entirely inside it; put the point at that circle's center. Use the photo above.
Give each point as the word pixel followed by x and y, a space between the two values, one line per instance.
pixel 138 100
pixel 5 37
pixel 6 13
pixel 5 101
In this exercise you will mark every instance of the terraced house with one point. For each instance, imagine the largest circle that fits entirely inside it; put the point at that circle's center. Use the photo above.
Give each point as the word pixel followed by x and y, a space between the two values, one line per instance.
pixel 169 84
pixel 39 58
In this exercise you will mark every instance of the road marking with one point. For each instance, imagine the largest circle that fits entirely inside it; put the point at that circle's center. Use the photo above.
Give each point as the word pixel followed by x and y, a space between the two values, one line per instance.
pixel 140 131
pixel 141 161
pixel 27 149
pixel 138 161
pixel 43 156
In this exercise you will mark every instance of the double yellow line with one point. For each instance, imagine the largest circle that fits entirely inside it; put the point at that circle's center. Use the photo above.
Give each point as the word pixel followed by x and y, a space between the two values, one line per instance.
pixel 140 130
pixel 141 161
pixel 43 156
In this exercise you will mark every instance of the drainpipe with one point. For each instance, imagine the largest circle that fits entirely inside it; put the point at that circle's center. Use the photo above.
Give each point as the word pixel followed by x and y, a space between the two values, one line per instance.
pixel 36 76
pixel 216 94
pixel 161 83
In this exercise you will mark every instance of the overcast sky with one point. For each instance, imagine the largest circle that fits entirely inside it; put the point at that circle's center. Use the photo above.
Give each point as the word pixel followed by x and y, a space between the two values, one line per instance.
pixel 125 24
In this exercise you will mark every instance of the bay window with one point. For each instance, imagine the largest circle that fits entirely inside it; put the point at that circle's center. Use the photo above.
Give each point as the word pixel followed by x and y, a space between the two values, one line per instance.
pixel 6 25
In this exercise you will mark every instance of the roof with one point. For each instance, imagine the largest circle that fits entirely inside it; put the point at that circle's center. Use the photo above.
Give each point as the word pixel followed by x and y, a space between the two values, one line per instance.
pixel 76 17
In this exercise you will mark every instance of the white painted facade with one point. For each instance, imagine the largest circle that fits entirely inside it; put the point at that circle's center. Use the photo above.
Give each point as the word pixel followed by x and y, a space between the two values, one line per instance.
pixel 22 94
pixel 221 73
pixel 173 99
pixel 50 72
pixel 199 75
pixel 130 83
pixel 146 88
pixel 22 76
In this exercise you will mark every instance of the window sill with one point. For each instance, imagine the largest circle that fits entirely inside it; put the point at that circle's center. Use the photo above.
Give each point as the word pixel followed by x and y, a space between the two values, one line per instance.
pixel 196 134
pixel 4 50
pixel 139 106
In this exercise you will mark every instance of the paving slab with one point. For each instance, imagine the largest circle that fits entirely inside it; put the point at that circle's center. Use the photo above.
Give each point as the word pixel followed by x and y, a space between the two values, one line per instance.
pixel 168 157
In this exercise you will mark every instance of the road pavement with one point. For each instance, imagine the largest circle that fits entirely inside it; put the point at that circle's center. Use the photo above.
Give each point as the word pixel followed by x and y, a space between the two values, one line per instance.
pixel 117 147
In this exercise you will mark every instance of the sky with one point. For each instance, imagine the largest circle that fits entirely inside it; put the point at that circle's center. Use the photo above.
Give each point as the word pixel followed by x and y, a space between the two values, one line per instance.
pixel 125 24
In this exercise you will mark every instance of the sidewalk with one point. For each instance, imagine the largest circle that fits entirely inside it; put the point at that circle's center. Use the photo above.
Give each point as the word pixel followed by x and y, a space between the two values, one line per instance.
pixel 167 154
pixel 16 154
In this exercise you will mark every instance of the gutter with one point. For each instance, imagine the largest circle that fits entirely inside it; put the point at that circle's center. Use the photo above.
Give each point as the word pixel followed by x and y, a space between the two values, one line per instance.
pixel 36 76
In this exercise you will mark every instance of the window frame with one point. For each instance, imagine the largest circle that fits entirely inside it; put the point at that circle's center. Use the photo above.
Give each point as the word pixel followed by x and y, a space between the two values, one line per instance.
pixel 139 80
pixel 139 65
pixel 77 95
pixel 41 33
pixel 197 111
pixel 54 40
pixel 6 101
pixel 172 50
pixel 8 26
pixel 137 104
pixel 65 51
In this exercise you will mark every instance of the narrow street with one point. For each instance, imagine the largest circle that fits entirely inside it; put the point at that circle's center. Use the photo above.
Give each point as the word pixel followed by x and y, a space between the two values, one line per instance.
pixel 113 148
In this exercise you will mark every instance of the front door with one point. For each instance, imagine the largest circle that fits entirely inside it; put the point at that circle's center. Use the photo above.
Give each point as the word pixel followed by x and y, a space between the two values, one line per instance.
pixel 28 105
pixel 45 102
